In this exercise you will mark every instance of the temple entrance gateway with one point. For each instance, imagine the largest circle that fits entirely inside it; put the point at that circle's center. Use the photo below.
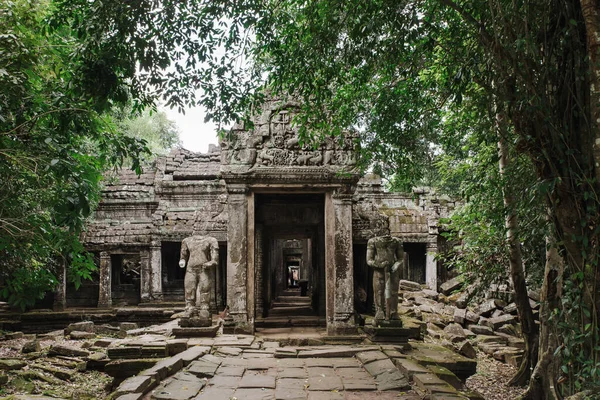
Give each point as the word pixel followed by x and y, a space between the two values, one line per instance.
pixel 292 221
pixel 291 248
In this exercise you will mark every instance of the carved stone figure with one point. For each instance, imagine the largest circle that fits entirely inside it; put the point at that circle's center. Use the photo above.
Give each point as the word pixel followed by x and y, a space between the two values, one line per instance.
pixel 200 254
pixel 386 256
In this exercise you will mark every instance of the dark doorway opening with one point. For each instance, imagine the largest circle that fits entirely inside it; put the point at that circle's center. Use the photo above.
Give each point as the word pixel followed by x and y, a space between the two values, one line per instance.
pixel 290 255
pixel 172 274
pixel 125 279
pixel 416 253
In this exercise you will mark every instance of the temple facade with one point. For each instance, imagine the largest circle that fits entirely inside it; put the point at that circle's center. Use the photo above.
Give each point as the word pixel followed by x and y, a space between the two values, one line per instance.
pixel 285 216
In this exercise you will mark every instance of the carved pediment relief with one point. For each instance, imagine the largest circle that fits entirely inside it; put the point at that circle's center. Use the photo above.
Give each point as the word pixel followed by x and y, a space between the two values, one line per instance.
pixel 274 142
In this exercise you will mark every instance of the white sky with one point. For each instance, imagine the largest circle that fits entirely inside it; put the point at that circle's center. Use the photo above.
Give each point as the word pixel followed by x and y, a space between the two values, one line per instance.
pixel 194 133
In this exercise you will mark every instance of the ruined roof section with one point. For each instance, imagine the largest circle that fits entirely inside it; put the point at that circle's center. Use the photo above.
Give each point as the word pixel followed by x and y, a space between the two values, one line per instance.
pixel 184 165
pixel 127 186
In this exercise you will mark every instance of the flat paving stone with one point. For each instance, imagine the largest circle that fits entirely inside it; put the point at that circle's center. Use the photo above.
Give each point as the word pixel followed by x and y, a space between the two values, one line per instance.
pixel 320 383
pixel 291 363
pixel 215 393
pixel 325 396
pixel 225 381
pixel 231 371
pixel 359 384
pixel 318 362
pixel 292 384
pixel 392 380
pixel 377 368
pixel 353 373
pixel 380 396
pixel 321 371
pixel 254 394
pixel 178 390
pixel 257 380
pixel 299 373
pixel 290 394
pixel 203 369
pixel 370 356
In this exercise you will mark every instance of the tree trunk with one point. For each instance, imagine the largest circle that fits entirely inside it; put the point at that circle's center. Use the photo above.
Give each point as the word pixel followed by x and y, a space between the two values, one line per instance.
pixel 543 379
pixel 590 10
pixel 528 326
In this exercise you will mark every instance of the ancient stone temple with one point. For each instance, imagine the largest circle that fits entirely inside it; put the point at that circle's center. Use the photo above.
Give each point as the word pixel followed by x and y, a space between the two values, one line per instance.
pixel 285 215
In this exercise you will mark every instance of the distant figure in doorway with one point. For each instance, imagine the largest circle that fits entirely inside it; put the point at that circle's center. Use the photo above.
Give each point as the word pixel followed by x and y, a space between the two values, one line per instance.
pixel 200 254
pixel 386 256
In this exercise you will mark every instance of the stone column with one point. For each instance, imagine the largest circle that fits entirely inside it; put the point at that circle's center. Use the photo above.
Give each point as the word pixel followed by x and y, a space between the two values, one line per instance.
pixel 155 262
pixel 145 276
pixel 431 266
pixel 237 258
pixel 60 293
pixel 104 296
pixel 339 264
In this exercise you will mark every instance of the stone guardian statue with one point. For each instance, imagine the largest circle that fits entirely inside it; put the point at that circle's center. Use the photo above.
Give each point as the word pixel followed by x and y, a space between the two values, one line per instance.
pixel 386 256
pixel 200 254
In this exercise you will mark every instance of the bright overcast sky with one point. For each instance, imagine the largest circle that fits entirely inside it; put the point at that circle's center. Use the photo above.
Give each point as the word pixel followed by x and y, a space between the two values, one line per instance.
pixel 195 134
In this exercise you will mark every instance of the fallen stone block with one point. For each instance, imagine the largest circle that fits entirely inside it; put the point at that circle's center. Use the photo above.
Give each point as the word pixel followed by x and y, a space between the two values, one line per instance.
pixel 534 295
pixel 480 329
pixel 67 351
pixel 107 330
pixel 176 346
pixel 154 351
pixel 471 317
pixel 409 367
pixel 466 349
pixel 8 364
pixel 460 315
pixel 431 294
pixel 128 326
pixel 14 335
pixel 378 367
pixel 60 373
pixel 497 322
pixel 83 326
pixel 31 347
pixel 370 356
pixel 164 368
pixel 32 375
pixel 392 380
pixel 447 376
pixel 193 353
pixel 126 368
pixel 409 285
pixel 511 309
pixel 125 352
pixel 203 369
pixel 501 353
pixel 454 330
pixel 136 384
pixel 431 384
pixel 450 286
pixel 489 306
pixel 80 335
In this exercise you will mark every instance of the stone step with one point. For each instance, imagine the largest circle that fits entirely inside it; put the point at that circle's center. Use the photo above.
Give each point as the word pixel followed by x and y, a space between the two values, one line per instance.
pixel 291 311
pixel 283 322
pixel 291 292
pixel 286 304
pixel 293 299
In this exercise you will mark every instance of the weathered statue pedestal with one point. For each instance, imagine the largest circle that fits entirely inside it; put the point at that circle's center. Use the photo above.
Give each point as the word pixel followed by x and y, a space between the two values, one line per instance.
pixel 195 322
pixel 388 331
pixel 195 327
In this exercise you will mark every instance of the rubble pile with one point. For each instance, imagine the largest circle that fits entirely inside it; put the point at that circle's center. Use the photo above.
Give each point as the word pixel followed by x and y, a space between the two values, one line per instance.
pixel 492 326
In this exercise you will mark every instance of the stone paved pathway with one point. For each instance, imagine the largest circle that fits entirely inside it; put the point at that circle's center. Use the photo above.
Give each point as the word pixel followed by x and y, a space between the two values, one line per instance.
pixel 241 367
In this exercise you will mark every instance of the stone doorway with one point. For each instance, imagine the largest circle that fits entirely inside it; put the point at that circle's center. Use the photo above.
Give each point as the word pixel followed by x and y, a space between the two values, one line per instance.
pixel 290 259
